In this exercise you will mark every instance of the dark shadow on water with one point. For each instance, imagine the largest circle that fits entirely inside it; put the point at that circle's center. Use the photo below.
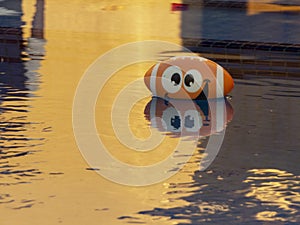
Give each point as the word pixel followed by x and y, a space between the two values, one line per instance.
pixel 19 79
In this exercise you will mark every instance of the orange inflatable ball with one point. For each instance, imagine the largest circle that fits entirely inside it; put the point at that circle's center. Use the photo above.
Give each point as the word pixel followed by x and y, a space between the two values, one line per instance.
pixel 188 77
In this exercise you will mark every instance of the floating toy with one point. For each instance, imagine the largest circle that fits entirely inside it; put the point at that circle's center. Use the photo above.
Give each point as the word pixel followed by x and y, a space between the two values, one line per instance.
pixel 188 77
pixel 188 118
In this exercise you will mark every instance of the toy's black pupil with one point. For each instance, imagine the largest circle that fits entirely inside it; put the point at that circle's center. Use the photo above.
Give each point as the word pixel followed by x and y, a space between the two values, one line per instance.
pixel 175 122
pixel 175 79
pixel 189 80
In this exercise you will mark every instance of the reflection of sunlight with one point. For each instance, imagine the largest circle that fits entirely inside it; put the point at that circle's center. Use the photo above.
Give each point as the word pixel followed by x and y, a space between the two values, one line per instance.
pixel 264 6
pixel 170 198
pixel 277 190
pixel 212 208
pixel 136 121
pixel 269 216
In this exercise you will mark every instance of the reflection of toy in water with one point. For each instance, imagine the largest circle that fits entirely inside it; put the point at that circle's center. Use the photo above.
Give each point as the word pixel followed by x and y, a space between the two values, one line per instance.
pixel 189 118
pixel 188 77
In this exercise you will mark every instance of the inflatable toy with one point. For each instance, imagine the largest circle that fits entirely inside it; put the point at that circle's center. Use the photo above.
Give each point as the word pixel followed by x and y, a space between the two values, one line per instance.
pixel 188 77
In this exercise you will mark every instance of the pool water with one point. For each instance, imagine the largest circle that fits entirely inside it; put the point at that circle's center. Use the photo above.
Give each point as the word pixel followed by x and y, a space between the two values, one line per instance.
pixel 46 47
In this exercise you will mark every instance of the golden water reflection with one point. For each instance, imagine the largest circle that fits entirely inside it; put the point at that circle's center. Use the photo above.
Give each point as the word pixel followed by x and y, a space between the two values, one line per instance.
pixel 277 190
pixel 65 190
pixel 137 122
pixel 45 179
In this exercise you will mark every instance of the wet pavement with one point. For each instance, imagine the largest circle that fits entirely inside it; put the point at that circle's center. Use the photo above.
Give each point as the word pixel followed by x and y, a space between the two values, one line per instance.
pixel 46 47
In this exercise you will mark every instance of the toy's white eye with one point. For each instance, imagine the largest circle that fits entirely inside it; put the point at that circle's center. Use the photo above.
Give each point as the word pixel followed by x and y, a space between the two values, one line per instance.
pixel 171 120
pixel 193 80
pixel 172 79
pixel 192 121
